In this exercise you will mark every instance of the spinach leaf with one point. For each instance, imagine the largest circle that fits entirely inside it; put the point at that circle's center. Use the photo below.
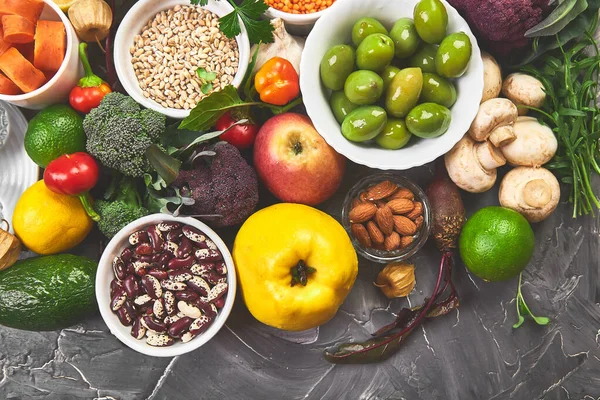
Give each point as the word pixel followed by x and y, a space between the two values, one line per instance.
pixel 560 17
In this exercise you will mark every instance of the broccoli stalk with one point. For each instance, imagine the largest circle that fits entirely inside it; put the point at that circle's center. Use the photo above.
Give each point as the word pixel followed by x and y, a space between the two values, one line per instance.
pixel 122 207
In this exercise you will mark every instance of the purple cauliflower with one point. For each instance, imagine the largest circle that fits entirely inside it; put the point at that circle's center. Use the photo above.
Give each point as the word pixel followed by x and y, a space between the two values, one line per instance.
pixel 225 185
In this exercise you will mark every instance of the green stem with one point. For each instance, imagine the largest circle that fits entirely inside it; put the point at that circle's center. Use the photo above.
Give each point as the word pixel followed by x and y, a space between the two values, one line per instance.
pixel 90 79
pixel 86 201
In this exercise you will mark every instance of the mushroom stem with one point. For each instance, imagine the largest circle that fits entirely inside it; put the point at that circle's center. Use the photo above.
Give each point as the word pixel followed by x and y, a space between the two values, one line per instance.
pixel 503 135
pixel 489 156
pixel 537 193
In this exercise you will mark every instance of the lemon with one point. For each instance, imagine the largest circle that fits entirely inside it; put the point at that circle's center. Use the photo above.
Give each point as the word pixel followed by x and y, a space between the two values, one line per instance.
pixel 49 223
pixel 64 4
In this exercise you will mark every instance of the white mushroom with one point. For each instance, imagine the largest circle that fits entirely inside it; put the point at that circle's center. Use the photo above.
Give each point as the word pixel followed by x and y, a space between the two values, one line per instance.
pixel 534 146
pixel 495 120
pixel 523 89
pixel 532 192
pixel 472 165
pixel 492 77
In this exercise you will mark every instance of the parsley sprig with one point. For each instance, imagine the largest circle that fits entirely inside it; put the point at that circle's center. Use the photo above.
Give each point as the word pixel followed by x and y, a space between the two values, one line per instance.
pixel 249 12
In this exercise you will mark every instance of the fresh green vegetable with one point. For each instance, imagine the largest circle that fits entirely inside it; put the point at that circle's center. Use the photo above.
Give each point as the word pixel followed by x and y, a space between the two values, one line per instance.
pixel 364 123
pixel 431 20
pixel 336 65
pixel 122 204
pixel 571 82
pixel 405 37
pixel 363 87
pixel 206 78
pixel 375 52
pixel 404 91
pixel 453 55
pixel 523 309
pixel 365 27
pixel 250 13
pixel 428 120
pixel 561 16
pixel 47 293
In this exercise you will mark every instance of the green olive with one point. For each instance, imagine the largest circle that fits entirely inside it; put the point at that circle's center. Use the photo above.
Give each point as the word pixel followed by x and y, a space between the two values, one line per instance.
pixel 431 20
pixel 428 120
pixel 340 105
pixel 363 87
pixel 453 55
pixel 424 58
pixel 375 52
pixel 364 123
pixel 394 136
pixel 365 27
pixel 336 65
pixel 388 74
pixel 405 37
pixel 437 90
pixel 404 92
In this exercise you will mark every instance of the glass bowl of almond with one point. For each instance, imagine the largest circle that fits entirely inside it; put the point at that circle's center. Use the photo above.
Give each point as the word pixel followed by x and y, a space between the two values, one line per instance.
pixel 388 217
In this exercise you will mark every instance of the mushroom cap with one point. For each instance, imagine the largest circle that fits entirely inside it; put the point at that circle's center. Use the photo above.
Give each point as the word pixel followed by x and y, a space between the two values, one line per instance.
pixel 492 77
pixel 534 146
pixel 464 167
pixel 523 89
pixel 532 192
pixel 492 114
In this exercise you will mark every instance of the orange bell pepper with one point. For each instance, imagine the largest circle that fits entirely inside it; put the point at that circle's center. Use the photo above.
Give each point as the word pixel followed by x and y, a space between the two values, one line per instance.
pixel 277 82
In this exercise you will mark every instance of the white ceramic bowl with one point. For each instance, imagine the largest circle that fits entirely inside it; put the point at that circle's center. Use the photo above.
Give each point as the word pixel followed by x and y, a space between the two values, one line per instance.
pixel 296 24
pixel 57 89
pixel 105 275
pixel 334 27
pixel 133 22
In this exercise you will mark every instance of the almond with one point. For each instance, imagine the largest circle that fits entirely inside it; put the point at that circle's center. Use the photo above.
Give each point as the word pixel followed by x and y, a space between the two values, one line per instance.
pixel 392 241
pixel 416 211
pixel 402 193
pixel 360 233
pixel 404 226
pixel 375 233
pixel 362 213
pixel 401 206
pixel 356 202
pixel 385 219
pixel 406 241
pixel 363 197
pixel 381 190
pixel 419 221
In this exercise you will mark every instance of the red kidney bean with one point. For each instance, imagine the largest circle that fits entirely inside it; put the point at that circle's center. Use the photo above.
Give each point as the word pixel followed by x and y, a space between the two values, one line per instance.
pixel 158 309
pixel 205 307
pixel 158 274
pixel 152 286
pixel 178 263
pixel 168 226
pixel 172 285
pixel 125 318
pixel 142 300
pixel 180 275
pixel 143 249
pixel 180 326
pixel 140 268
pixel 156 238
pixel 211 245
pixel 198 285
pixel 129 268
pixel 189 309
pixel 185 248
pixel 138 330
pixel 163 260
pixel 147 258
pixel 171 248
pixel 221 268
pixel 174 235
pixel 193 234
pixel 160 340
pixel 202 268
pixel 169 298
pixel 213 278
pixel 114 285
pixel 126 254
pixel 118 299
pixel 138 237
pixel 217 291
pixel 154 325
pixel 130 309
pixel 207 255
pixel 220 302
pixel 171 319
pixel 186 295
pixel 200 324
pixel 119 268
pixel 130 284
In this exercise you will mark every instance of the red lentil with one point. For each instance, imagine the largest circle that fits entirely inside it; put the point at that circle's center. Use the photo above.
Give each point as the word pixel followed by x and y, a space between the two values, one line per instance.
pixel 299 6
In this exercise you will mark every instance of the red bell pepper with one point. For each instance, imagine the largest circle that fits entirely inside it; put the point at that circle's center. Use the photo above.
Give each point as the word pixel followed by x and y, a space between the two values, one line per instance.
pixel 90 89
pixel 74 175
pixel 277 82
pixel 242 135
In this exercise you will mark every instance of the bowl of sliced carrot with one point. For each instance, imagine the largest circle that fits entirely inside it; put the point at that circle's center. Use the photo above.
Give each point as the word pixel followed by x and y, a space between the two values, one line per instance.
pixel 39 61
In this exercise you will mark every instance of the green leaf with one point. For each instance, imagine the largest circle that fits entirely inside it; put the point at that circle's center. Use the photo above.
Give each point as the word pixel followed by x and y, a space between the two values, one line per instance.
pixel 249 12
pixel 206 88
pixel 211 108
pixel 560 17
pixel 199 2
pixel 248 82
pixel 166 166
pixel 523 309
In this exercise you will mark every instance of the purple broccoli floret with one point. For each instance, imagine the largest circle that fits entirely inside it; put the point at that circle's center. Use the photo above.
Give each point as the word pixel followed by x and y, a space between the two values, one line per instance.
pixel 226 185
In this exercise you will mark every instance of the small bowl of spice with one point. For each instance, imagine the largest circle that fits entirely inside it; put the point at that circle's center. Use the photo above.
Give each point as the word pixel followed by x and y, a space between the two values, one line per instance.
pixel 387 217
pixel 299 15
pixel 170 54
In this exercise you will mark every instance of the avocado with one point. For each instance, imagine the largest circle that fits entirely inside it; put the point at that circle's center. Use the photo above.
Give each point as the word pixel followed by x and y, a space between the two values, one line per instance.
pixel 47 293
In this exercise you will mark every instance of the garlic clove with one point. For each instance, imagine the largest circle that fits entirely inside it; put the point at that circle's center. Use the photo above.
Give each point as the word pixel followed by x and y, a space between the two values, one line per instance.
pixel 396 280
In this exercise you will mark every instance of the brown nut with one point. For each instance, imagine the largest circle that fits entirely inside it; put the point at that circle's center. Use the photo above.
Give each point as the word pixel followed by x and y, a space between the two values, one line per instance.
pixel 357 201
pixel 402 193
pixel 381 190
pixel 401 206
pixel 406 241
pixel 419 222
pixel 377 237
pixel 360 233
pixel 385 220
pixel 416 211
pixel 362 213
pixel 392 241
pixel 404 226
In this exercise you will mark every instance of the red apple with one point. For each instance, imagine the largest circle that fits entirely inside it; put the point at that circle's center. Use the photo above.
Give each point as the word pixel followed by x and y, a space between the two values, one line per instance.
pixel 294 162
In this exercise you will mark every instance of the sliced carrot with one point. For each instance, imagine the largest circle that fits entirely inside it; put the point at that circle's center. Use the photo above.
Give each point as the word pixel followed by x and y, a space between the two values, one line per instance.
pixel 17 29
pixel 50 45
pixel 7 87
pixel 3 45
pixel 27 50
pixel 20 71
pixel 30 9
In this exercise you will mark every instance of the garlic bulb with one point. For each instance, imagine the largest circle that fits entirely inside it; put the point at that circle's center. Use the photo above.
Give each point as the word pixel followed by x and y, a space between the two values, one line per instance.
pixel 284 45
pixel 396 279
pixel 91 19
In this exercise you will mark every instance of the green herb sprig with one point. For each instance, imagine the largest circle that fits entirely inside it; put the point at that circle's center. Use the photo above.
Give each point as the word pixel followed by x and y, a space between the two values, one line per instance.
pixel 523 309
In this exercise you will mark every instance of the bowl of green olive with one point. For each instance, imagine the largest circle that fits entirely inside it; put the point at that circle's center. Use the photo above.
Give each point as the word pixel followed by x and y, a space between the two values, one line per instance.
pixel 391 84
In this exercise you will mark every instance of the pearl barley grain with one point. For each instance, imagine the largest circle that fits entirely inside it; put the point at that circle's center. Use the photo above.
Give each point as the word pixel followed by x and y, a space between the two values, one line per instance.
pixel 170 49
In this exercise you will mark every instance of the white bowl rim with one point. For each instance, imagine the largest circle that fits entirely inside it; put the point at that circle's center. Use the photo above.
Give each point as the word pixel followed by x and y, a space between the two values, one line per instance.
pixel 295 19
pixel 65 20
pixel 121 65
pixel 103 294
pixel 476 62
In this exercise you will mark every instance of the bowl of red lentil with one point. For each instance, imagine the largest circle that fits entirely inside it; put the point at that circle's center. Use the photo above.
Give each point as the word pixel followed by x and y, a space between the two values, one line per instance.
pixel 299 15
pixel 170 54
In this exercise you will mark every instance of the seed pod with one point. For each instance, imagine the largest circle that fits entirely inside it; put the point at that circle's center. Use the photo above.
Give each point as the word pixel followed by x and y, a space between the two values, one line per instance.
pixel 180 275
pixel 185 248
pixel 138 330
pixel 151 323
pixel 217 291
pixel 160 340
pixel 178 263
pixel 193 234
pixel 207 255
pixel 189 309
pixel 118 299
pixel 152 286
pixel 199 285
pixel 170 307
pixel 168 226
pixel 130 284
pixel 119 268
pixel 138 237
pixel 180 326
pixel 142 300
pixel 172 285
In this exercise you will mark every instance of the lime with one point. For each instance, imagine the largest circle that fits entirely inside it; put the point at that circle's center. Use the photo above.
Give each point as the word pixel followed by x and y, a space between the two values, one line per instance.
pixel 54 131
pixel 496 243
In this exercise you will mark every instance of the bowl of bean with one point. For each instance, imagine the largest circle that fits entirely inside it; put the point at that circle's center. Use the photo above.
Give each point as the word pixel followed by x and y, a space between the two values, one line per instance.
pixel 170 54
pixel 299 16
pixel 165 285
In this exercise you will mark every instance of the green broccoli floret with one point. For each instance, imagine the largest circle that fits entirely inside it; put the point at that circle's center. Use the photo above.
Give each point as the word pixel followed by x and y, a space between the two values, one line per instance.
pixel 119 131
pixel 122 207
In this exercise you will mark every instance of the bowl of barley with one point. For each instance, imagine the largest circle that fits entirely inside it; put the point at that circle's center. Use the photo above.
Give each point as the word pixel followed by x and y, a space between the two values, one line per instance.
pixel 299 16
pixel 170 54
